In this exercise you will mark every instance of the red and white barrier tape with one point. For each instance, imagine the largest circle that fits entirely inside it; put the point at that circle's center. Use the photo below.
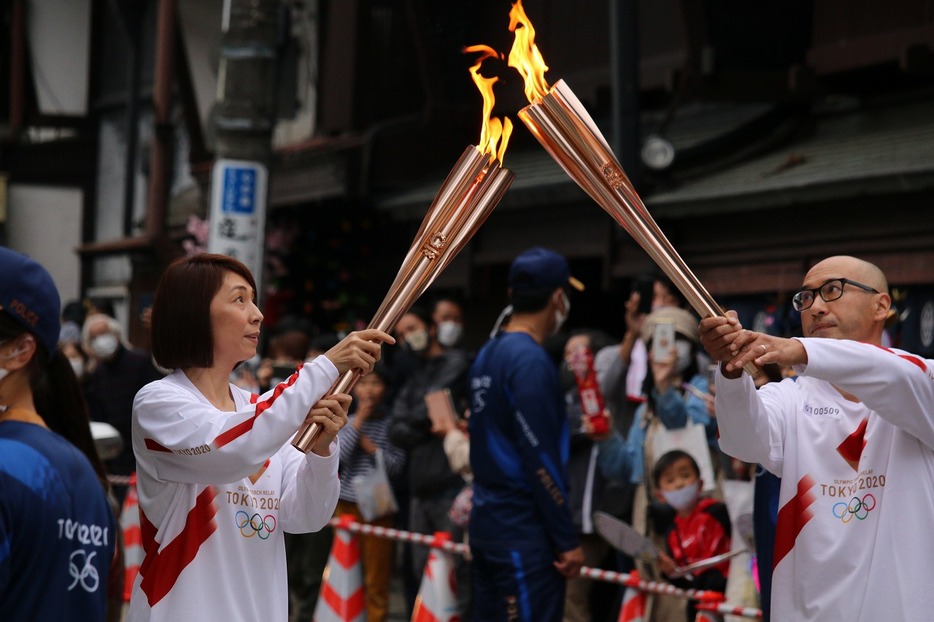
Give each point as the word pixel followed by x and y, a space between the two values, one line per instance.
pixel 707 600
pixel 727 609
pixel 440 540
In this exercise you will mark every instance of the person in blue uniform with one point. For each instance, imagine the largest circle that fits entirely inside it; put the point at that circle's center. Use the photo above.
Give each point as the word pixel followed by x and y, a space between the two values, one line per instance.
pixel 522 536
pixel 57 529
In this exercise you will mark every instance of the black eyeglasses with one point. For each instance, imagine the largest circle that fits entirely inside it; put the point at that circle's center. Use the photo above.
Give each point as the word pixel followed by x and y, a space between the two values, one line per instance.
pixel 829 291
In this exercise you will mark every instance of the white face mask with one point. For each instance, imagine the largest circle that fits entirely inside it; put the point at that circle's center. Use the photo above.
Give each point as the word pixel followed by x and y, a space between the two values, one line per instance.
pixel 682 498
pixel 5 372
pixel 417 340
pixel 449 333
pixel 684 355
pixel 562 316
pixel 104 346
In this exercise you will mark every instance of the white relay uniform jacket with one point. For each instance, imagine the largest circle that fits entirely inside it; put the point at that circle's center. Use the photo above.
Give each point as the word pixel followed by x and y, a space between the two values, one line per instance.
pixel 216 492
pixel 856 509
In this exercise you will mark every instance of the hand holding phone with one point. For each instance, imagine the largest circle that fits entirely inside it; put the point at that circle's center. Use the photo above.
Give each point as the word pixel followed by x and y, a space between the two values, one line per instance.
pixel 645 287
pixel 663 341
pixel 441 410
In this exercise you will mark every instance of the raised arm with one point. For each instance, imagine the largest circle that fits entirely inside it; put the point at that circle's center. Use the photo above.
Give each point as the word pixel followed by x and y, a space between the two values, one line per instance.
pixel 189 440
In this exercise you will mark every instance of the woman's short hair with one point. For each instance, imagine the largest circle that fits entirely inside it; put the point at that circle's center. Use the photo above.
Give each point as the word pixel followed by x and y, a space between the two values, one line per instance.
pixel 181 310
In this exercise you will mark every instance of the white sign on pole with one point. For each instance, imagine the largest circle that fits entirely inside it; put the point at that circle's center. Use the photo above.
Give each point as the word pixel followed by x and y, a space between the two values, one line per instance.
pixel 238 213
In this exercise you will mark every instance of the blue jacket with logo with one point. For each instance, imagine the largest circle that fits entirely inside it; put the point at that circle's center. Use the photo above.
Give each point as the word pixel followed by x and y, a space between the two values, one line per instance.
pixel 519 446
pixel 57 530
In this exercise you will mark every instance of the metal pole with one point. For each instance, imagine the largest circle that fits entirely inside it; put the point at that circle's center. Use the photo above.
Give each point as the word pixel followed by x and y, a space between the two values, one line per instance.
pixel 244 120
pixel 134 27
pixel 160 167
pixel 624 79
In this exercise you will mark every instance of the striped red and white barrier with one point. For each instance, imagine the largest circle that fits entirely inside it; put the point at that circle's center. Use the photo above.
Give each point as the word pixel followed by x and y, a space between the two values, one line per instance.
pixel 133 552
pixel 707 600
pixel 437 595
pixel 633 607
pixel 342 597
pixel 726 609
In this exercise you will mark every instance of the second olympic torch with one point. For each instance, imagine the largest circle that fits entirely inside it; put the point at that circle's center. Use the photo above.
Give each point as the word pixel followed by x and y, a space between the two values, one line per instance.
pixel 466 198
pixel 564 128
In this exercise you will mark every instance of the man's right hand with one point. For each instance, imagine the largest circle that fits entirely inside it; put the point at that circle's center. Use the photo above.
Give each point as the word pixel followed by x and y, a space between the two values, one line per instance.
pixel 717 334
pixel 570 562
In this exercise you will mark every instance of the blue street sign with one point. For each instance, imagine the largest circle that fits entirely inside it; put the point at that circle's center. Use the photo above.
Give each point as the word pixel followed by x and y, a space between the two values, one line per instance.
pixel 238 194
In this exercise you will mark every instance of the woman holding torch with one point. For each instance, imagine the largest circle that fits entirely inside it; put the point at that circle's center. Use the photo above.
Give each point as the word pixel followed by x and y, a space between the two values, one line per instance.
pixel 218 481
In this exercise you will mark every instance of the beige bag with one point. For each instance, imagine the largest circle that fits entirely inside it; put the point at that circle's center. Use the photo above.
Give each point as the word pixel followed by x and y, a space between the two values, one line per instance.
pixel 692 438
pixel 374 492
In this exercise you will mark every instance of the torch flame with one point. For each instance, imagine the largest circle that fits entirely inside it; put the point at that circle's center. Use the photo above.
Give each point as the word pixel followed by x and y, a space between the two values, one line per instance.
pixel 493 131
pixel 525 56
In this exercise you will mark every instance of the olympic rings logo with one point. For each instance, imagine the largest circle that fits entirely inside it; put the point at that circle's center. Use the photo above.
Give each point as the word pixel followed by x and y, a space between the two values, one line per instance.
pixel 87 576
pixel 858 508
pixel 255 525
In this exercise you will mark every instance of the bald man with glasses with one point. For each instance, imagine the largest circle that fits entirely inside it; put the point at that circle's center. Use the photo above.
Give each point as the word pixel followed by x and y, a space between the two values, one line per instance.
pixel 853 441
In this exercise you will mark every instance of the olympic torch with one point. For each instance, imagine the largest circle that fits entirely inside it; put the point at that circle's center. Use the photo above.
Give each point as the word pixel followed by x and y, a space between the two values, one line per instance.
pixel 466 198
pixel 564 128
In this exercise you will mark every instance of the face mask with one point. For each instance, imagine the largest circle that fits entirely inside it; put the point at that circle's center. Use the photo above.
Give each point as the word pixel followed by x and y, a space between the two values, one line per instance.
pixel 682 498
pixel 562 316
pixel 449 333
pixel 5 372
pixel 77 365
pixel 417 340
pixel 104 346
pixel 684 354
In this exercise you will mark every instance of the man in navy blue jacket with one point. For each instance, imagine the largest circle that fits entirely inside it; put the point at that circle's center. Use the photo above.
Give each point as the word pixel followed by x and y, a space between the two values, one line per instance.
pixel 522 536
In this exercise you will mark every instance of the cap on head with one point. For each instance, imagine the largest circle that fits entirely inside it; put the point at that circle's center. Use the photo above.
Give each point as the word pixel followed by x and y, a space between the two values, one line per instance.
pixel 541 269
pixel 28 294
pixel 684 322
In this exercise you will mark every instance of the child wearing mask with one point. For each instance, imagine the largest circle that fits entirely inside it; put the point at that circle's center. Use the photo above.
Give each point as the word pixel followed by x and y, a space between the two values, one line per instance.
pixel 694 527
pixel 676 393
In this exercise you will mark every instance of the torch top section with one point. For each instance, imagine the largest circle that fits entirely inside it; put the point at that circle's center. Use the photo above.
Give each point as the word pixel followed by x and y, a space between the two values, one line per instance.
pixel 541 268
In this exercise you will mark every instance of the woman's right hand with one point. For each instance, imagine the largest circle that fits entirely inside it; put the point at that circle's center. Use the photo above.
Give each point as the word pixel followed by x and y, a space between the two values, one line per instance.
pixel 359 350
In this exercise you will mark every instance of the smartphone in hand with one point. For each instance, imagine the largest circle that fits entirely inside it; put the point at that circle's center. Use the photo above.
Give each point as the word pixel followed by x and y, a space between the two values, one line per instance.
pixel 441 409
pixel 663 341
pixel 645 287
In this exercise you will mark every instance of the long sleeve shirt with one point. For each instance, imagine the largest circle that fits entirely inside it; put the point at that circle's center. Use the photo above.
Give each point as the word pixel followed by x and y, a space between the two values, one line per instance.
pixel 355 461
pixel 620 458
pixel 519 446
pixel 429 472
pixel 216 492
pixel 857 491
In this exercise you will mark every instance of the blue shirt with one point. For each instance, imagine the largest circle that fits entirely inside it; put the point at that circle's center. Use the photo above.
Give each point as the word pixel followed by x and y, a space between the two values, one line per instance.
pixel 519 446
pixel 624 460
pixel 57 530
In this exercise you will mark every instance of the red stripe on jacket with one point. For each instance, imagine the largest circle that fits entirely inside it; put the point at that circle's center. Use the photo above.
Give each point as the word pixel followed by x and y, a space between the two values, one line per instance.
pixel 792 518
pixel 242 428
pixel 911 358
pixel 160 569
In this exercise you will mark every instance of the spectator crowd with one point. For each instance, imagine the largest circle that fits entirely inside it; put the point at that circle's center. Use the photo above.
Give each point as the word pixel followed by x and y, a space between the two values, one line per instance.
pixel 508 447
